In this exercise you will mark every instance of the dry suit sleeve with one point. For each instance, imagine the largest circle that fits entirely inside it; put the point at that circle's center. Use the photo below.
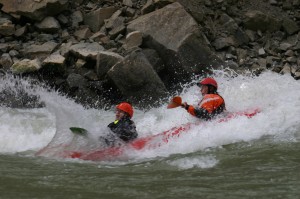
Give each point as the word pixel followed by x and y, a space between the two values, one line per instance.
pixel 128 132
pixel 199 113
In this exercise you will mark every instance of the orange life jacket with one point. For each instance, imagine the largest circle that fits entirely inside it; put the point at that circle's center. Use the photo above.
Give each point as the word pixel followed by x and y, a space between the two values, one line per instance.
pixel 209 106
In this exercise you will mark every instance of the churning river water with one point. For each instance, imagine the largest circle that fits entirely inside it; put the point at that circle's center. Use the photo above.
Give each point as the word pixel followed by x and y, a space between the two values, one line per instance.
pixel 241 158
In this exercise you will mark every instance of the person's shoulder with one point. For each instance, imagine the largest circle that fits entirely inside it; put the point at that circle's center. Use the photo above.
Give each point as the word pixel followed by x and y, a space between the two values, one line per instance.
pixel 128 120
pixel 131 122
pixel 110 124
pixel 213 97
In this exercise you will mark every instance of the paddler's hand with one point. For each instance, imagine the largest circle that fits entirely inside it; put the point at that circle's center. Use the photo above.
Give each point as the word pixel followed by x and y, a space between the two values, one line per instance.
pixel 185 105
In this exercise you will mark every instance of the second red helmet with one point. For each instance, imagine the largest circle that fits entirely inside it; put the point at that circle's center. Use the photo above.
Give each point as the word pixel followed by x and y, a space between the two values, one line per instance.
pixel 209 81
pixel 126 107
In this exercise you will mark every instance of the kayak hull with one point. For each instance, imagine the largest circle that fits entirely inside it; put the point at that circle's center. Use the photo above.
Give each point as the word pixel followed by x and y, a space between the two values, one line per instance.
pixel 150 142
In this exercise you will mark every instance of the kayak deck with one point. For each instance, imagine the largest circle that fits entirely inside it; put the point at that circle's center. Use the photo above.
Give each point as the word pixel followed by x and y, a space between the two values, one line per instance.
pixel 150 142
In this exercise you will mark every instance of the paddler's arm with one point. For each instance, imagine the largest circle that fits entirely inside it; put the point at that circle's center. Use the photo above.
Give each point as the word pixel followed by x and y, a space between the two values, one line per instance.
pixel 197 112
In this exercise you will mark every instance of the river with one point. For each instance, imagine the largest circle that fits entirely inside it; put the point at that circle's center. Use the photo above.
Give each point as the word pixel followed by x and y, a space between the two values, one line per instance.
pixel 241 158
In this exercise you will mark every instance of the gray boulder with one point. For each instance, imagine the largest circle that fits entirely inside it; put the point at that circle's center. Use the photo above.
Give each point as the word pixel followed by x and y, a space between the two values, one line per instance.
pixel 154 59
pixel 290 26
pixel 175 35
pixel 86 50
pixel 83 33
pixel 151 5
pixel 76 81
pixel 36 10
pixel 95 19
pixel 40 51
pixel 137 80
pixel 6 27
pixel 257 20
pixel 106 60
pixel 55 63
pixel 26 66
pixel 5 61
pixel 48 25
pixel 133 40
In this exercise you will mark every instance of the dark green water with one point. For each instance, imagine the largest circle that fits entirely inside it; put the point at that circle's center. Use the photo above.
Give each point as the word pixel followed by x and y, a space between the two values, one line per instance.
pixel 245 170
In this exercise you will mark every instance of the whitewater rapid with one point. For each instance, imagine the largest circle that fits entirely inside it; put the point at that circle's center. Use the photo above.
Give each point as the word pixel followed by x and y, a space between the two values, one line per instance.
pixel 278 97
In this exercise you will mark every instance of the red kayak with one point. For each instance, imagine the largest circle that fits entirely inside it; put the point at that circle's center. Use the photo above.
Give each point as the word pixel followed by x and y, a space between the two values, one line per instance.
pixel 150 142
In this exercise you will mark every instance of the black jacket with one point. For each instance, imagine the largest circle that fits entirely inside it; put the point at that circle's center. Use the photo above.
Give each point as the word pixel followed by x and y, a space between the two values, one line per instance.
pixel 125 129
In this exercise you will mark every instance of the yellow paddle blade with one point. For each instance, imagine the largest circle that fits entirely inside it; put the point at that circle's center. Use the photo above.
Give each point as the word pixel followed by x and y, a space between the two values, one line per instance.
pixel 175 102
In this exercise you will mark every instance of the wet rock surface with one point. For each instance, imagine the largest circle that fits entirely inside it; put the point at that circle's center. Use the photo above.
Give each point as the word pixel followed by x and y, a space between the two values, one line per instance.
pixel 102 52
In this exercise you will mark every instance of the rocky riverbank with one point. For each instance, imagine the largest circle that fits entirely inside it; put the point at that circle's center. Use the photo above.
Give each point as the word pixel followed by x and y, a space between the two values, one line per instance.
pixel 105 51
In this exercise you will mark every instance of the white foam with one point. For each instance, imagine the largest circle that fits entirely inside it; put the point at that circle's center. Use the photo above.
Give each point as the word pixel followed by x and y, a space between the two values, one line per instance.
pixel 23 130
pixel 203 162
pixel 278 96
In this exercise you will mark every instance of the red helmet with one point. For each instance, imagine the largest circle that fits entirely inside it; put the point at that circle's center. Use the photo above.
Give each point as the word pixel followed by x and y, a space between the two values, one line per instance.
pixel 126 107
pixel 208 81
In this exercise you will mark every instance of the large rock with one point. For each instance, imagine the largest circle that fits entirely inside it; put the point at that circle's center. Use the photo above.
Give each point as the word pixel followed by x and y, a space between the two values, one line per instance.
pixel 154 59
pixel 152 5
pixel 118 27
pixel 5 61
pixel 76 81
pixel 195 8
pixel 257 20
pixel 4 47
pixel 86 50
pixel 36 10
pixel 55 63
pixel 137 80
pixel 6 27
pixel 106 60
pixel 40 51
pixel 174 34
pixel 83 33
pixel 26 66
pixel 49 25
pixel 290 26
pixel 133 40
pixel 95 19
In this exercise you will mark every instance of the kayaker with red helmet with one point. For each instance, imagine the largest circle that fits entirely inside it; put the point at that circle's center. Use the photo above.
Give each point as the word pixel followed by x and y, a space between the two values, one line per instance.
pixel 123 127
pixel 211 104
